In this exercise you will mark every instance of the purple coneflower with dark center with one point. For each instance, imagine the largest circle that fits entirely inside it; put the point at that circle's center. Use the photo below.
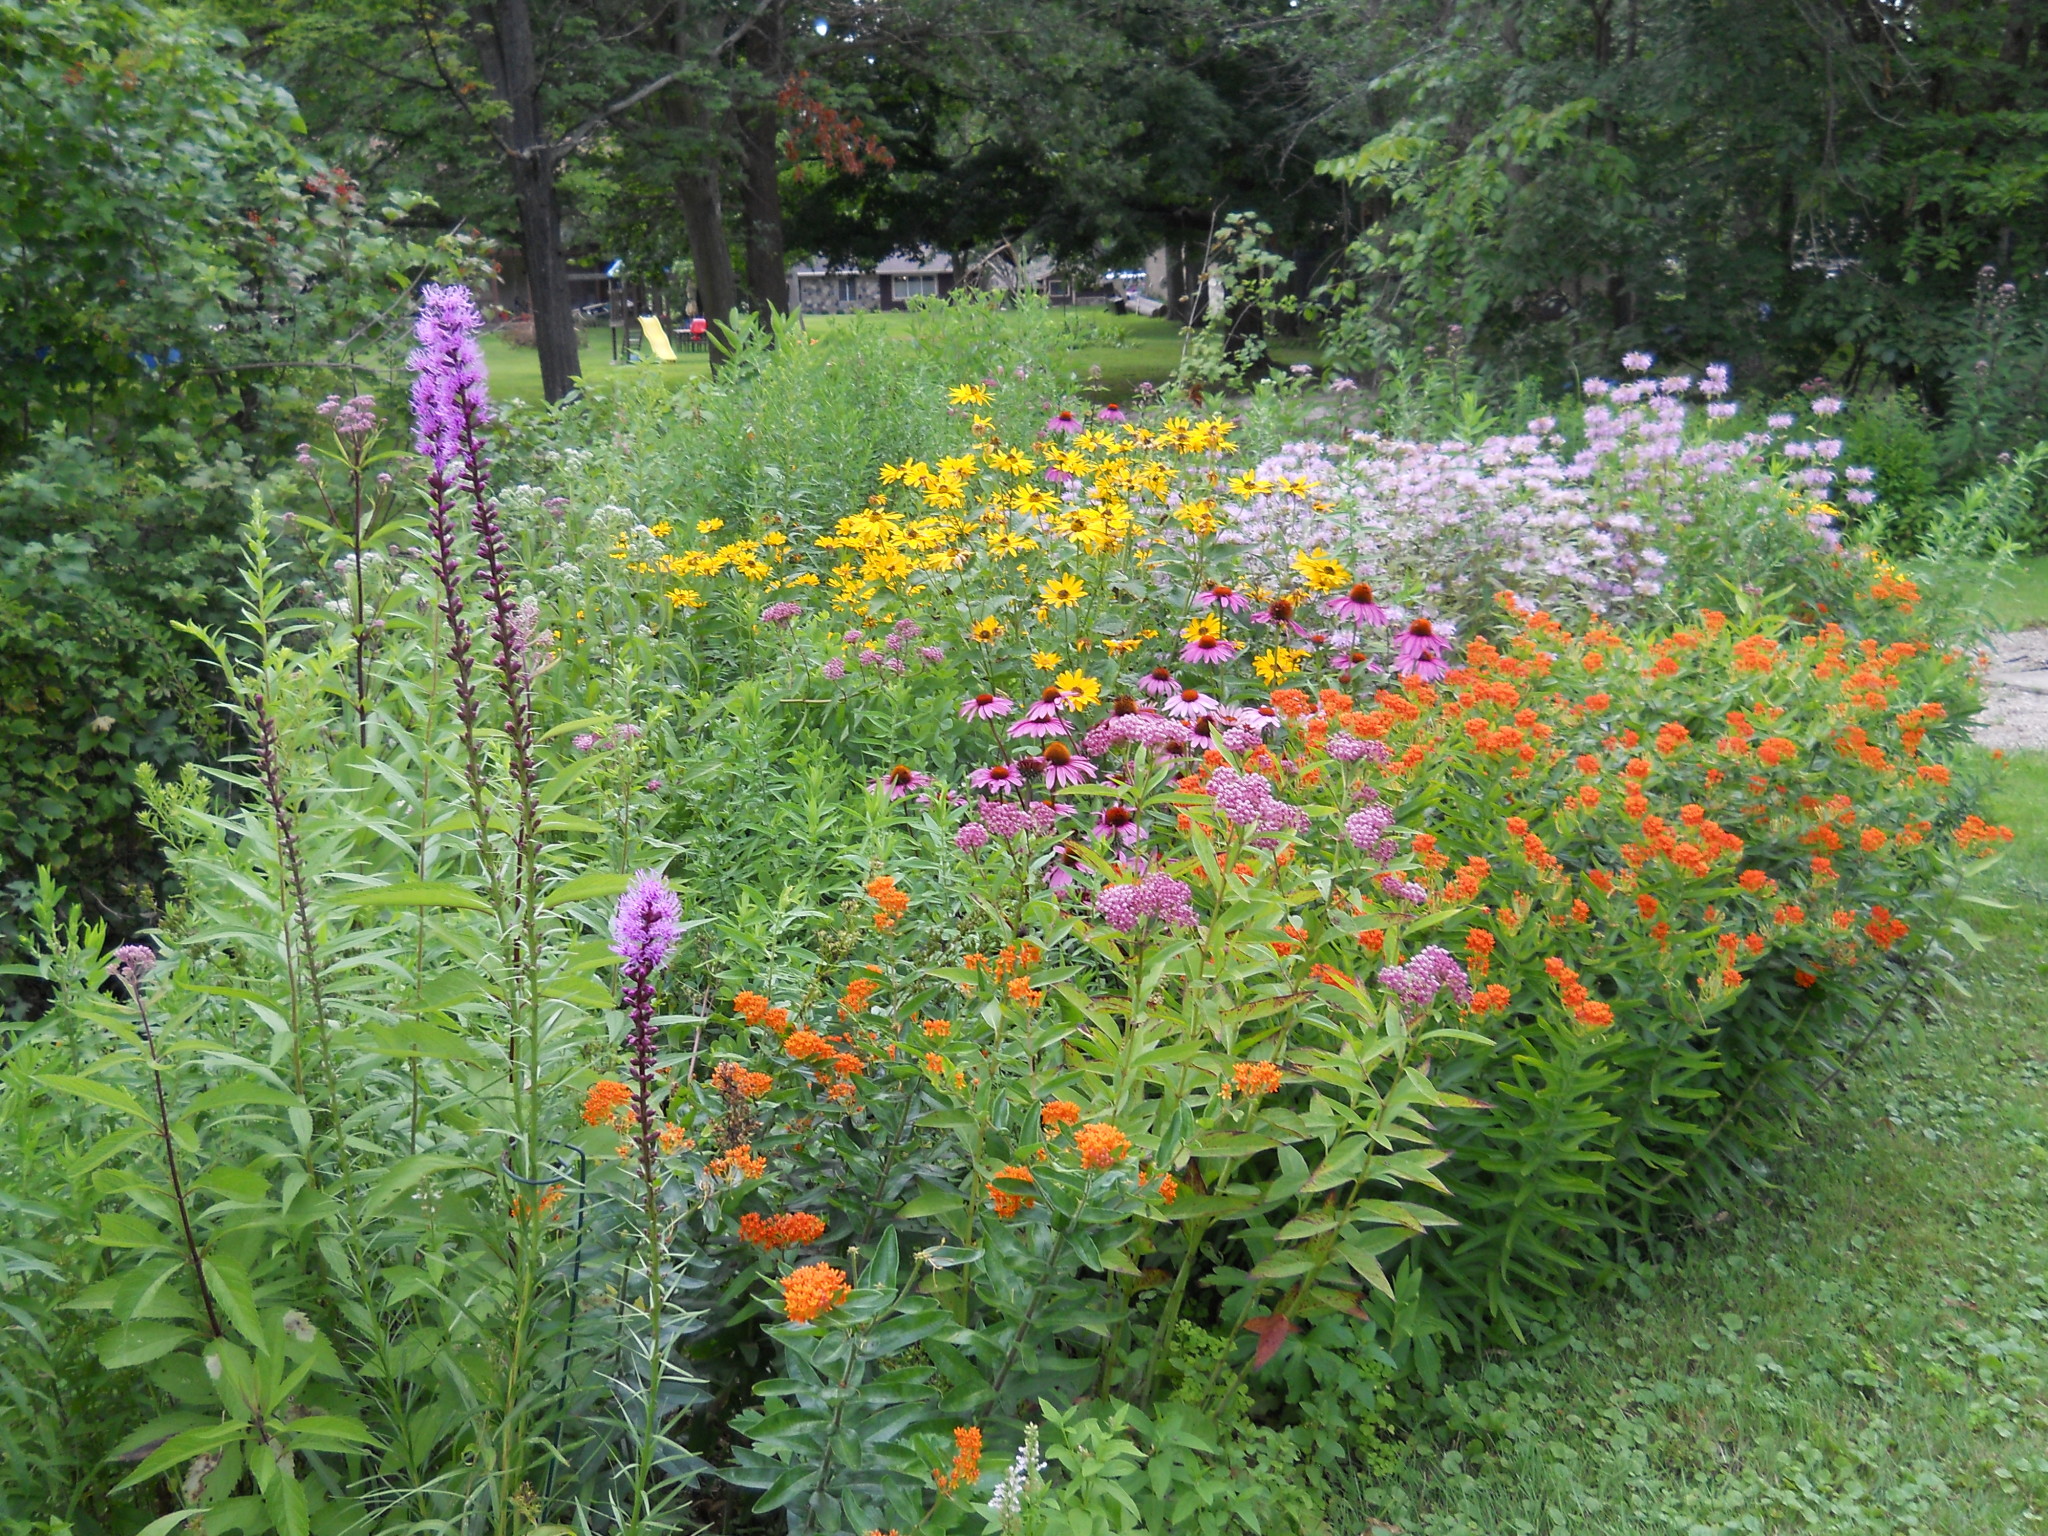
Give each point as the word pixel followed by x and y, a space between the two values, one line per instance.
pixel 1159 683
pixel 1065 423
pixel 996 779
pixel 1119 824
pixel 1059 869
pixel 1111 413
pixel 1279 613
pixel 1189 703
pixel 1216 595
pixel 1352 659
pixel 1208 650
pixel 986 706
pixel 1123 704
pixel 1043 718
pixel 1420 652
pixel 1063 767
pixel 1358 606
pixel 900 781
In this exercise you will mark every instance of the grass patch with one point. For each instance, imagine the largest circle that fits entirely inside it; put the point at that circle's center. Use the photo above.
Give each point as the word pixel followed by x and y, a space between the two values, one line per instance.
pixel 1862 1351
pixel 2015 598
pixel 1113 356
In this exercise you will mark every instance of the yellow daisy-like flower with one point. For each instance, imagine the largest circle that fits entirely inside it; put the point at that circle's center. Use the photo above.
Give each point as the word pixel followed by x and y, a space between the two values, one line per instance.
pixel 1203 626
pixel 1121 647
pixel 1081 689
pixel 1322 573
pixel 1279 663
pixel 1249 484
pixel 1063 591
pixel 983 424
pixel 1198 516
pixel 684 597
pixel 985 630
pixel 1033 500
pixel 661 530
pixel 1045 661
pixel 1010 461
pixel 1003 544
pixel 775 540
pixel 711 525
pixel 967 394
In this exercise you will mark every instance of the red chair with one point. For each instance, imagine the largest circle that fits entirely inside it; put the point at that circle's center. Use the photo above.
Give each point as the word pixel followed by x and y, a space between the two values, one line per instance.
pixel 698 334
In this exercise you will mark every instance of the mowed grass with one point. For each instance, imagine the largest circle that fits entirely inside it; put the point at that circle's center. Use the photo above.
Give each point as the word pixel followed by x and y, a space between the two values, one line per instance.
pixel 1864 1349
pixel 1113 356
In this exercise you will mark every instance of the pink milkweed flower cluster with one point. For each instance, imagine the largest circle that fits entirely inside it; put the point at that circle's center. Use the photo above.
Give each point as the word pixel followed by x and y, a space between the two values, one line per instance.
pixel 1247 800
pixel 1158 896
pixel 1428 972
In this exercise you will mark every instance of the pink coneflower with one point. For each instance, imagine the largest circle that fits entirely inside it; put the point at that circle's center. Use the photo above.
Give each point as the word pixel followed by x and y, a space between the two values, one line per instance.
pixel 900 781
pixel 1279 613
pixel 1208 649
pixel 1216 595
pixel 1159 683
pixel 1357 606
pixel 1063 767
pixel 1420 652
pixel 997 779
pixel 1111 413
pixel 1043 718
pixel 1189 703
pixel 1064 422
pixel 1348 661
pixel 1119 824
pixel 986 706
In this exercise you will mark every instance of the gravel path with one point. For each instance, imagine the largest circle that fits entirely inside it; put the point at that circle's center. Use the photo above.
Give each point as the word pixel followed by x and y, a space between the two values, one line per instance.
pixel 2016 705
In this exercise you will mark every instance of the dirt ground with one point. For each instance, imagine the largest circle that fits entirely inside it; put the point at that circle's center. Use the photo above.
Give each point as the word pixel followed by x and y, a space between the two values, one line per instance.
pixel 2016 708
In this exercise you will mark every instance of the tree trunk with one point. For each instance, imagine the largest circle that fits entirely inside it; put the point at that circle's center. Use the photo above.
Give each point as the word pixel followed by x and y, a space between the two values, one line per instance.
pixel 760 164
pixel 512 68
pixel 703 210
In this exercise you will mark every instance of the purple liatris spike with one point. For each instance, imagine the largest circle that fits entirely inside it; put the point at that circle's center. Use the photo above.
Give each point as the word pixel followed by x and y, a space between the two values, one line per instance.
pixel 450 386
pixel 647 924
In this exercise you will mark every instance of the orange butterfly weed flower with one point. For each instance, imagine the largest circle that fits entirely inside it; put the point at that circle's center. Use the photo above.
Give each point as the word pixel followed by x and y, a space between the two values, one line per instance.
pixel 1101 1145
pixel 751 1006
pixel 601 1106
pixel 1007 1202
pixel 1055 1113
pixel 809 1293
pixel 808 1045
pixel 884 893
pixel 1255 1077
pixel 966 1469
pixel 737 1082
pixel 741 1163
pixel 790 1229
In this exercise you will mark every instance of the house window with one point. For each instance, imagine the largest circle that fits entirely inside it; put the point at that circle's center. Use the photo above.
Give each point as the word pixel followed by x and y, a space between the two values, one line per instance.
pixel 925 286
pixel 849 290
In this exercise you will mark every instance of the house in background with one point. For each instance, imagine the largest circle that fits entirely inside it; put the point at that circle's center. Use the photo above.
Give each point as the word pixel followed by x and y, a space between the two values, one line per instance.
pixel 893 282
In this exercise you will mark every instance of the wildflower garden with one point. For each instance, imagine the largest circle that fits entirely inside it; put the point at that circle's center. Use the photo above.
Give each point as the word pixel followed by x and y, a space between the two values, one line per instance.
pixel 887 945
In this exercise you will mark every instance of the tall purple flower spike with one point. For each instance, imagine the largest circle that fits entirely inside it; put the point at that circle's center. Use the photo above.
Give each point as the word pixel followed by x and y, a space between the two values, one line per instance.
pixel 450 389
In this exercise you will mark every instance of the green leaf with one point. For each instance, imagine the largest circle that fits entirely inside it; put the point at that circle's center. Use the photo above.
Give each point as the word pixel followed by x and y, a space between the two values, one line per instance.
pixel 139 1343
pixel 180 1449
pixel 601 882
pixel 229 1284
pixel 933 1202
pixel 404 1174
pixel 97 1092
pixel 421 893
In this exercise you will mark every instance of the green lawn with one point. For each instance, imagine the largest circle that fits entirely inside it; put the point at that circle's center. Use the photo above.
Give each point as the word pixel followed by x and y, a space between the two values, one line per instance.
pixel 1132 350
pixel 1865 1350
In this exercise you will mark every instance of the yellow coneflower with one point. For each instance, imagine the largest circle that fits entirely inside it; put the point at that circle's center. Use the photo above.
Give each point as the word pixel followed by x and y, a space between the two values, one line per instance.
pixel 1063 591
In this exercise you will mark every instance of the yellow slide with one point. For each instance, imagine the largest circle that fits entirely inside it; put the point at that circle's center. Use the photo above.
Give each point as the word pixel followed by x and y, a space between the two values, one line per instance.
pixel 657 339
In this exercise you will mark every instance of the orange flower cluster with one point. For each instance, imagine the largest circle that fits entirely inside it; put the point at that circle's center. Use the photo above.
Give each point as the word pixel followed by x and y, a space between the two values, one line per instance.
pixel 790 1229
pixel 1054 1113
pixel 734 1081
pixel 756 1009
pixel 1101 1145
pixel 1883 929
pixel 740 1163
pixel 1007 1203
pixel 809 1293
pixel 859 991
pixel 884 893
pixel 552 1196
pixel 1255 1078
pixel 966 1469
pixel 1586 1008
pixel 606 1103
pixel 1490 999
pixel 1975 832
